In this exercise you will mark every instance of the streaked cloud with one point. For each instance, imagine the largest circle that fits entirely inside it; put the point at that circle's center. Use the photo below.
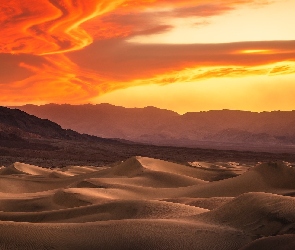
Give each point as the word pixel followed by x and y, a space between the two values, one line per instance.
pixel 73 51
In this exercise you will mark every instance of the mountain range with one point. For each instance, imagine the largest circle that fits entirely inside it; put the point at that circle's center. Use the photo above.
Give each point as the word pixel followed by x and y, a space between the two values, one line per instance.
pixel 27 138
pixel 219 129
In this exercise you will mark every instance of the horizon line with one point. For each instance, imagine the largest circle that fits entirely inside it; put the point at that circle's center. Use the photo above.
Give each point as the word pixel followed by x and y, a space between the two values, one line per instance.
pixel 149 106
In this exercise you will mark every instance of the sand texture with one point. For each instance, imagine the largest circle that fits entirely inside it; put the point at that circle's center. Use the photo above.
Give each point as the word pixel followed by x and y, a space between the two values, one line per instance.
pixel 145 203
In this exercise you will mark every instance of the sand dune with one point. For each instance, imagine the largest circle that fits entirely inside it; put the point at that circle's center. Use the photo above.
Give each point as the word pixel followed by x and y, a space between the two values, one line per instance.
pixel 136 166
pixel 207 203
pixel 202 173
pixel 258 214
pixel 283 242
pixel 121 234
pixel 277 178
pixel 145 203
pixel 21 168
pixel 115 210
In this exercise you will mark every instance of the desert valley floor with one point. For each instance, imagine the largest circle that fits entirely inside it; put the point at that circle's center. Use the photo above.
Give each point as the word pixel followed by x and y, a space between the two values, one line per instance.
pixel 145 203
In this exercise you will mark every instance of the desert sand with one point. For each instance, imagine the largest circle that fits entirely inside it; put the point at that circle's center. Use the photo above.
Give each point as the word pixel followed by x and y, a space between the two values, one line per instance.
pixel 145 203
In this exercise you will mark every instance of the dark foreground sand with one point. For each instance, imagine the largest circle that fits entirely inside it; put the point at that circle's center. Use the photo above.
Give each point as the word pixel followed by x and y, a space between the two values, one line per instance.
pixel 145 203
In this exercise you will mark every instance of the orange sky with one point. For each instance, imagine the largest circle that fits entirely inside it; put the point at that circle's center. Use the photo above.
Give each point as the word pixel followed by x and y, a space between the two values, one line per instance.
pixel 184 55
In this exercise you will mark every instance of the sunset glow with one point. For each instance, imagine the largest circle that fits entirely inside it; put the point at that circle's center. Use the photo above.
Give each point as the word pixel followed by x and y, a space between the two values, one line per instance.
pixel 186 55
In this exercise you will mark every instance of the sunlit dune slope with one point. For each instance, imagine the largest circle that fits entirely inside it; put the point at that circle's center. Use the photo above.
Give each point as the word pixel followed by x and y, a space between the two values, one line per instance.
pixel 21 168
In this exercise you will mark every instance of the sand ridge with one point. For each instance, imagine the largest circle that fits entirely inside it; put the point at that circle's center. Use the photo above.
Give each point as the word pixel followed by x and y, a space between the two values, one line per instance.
pixel 146 203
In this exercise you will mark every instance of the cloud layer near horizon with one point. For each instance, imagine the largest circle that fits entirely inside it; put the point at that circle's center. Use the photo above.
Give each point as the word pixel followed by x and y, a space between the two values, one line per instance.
pixel 73 51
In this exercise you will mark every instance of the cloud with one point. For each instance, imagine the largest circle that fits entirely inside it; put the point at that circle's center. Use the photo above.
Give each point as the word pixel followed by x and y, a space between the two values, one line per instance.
pixel 149 16
pixel 11 67
pixel 48 26
pixel 56 26
pixel 124 61
pixel 124 25
pixel 57 79
pixel 71 51
pixel 108 65
pixel 204 10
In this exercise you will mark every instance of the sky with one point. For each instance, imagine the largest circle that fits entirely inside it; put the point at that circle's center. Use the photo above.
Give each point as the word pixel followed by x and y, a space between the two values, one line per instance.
pixel 181 55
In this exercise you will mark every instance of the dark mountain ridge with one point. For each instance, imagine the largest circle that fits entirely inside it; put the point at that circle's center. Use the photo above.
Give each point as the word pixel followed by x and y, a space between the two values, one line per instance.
pixel 22 125
pixel 18 124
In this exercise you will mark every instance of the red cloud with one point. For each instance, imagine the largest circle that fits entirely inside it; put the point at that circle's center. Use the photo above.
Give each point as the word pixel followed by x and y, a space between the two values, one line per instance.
pixel 43 26
pixel 38 34
pixel 122 61
pixel 54 26
pixel 127 23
